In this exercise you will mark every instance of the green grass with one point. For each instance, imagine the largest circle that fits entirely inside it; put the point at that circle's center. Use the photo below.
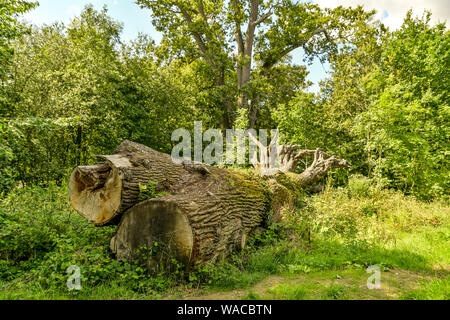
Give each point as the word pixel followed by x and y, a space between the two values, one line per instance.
pixel 252 296
pixel 335 292
pixel 436 289
pixel 349 230
pixel 286 292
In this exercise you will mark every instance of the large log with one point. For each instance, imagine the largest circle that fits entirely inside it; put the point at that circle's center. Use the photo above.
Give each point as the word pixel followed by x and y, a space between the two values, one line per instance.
pixel 197 213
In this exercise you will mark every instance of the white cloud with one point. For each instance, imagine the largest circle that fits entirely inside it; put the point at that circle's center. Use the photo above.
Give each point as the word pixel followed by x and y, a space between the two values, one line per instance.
pixel 397 9
pixel 73 10
pixel 35 17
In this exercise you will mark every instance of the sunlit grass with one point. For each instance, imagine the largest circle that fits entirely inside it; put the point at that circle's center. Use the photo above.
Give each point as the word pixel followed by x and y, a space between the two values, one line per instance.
pixel 436 289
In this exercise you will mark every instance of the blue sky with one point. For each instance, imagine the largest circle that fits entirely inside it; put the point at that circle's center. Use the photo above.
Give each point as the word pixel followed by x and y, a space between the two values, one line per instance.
pixel 137 20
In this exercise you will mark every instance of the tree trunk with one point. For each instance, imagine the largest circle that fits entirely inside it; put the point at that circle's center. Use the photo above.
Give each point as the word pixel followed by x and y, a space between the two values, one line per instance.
pixel 196 213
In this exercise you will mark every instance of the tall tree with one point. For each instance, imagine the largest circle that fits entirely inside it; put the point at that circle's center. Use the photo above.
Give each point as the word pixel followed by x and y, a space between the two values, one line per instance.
pixel 241 42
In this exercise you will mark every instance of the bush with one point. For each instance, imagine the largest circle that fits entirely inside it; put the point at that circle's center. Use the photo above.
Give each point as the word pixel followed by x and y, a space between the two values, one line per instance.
pixel 359 186
pixel 39 151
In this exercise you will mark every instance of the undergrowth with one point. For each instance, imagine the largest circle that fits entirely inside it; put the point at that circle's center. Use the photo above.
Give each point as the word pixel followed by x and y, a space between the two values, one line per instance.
pixel 342 228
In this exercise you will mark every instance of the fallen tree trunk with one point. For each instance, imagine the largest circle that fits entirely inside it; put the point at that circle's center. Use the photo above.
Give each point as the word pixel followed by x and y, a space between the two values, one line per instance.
pixel 195 213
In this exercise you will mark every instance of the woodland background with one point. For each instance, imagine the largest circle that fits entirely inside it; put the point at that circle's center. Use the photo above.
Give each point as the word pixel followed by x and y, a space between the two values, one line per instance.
pixel 70 92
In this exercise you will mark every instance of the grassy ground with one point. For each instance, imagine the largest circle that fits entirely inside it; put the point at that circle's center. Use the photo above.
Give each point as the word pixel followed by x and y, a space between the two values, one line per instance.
pixel 335 285
pixel 321 252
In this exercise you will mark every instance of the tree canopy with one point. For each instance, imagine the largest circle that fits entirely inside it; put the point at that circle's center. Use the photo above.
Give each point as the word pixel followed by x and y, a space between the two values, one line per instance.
pixel 245 44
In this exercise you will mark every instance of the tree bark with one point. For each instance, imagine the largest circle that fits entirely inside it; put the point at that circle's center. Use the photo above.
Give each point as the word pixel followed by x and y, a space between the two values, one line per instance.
pixel 197 213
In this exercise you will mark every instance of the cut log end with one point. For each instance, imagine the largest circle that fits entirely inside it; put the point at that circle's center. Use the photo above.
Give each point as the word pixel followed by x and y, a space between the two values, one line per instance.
pixel 95 192
pixel 154 229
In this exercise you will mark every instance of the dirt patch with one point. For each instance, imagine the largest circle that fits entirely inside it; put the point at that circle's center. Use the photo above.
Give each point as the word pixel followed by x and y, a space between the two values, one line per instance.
pixel 393 284
pixel 238 294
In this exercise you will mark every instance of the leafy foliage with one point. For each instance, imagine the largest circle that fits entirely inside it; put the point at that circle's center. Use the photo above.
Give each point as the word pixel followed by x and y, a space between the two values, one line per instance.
pixel 149 191
pixel 10 27
pixel 385 107
pixel 405 128
pixel 78 91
